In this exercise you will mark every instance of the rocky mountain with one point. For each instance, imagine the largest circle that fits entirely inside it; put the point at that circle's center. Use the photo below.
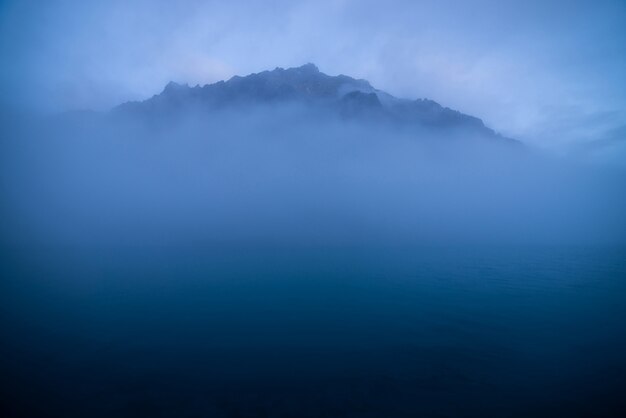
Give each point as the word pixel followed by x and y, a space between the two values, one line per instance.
pixel 340 95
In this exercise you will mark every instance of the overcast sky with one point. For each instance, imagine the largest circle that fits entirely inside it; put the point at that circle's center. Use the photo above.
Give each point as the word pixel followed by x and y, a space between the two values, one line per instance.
pixel 547 72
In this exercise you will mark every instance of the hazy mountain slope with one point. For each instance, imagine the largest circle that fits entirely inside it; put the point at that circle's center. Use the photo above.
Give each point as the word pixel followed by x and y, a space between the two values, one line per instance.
pixel 340 95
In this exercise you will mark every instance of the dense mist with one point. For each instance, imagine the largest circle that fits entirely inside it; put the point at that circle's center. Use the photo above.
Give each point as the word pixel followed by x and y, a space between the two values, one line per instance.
pixel 290 174
pixel 197 221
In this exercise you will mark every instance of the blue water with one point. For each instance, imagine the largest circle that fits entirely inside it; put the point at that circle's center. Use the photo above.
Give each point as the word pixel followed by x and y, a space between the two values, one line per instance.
pixel 308 332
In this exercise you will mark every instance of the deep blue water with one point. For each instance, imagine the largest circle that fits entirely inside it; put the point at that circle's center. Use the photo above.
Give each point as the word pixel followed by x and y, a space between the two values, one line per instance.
pixel 346 332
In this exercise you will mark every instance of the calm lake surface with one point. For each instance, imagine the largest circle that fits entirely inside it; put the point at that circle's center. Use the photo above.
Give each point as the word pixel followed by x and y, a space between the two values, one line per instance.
pixel 308 332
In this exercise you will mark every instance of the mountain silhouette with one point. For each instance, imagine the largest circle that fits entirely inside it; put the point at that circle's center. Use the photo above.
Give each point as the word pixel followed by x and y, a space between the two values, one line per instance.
pixel 340 95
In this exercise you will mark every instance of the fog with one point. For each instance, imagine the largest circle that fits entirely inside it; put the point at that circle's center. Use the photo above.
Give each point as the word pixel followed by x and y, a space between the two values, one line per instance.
pixel 275 260
pixel 196 220
pixel 289 175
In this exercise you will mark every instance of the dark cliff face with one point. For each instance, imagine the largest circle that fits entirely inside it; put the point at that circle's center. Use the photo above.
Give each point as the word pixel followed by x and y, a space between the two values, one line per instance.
pixel 306 86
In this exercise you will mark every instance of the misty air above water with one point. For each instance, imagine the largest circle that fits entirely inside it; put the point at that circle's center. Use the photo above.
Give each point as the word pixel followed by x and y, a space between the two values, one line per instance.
pixel 294 156
pixel 294 241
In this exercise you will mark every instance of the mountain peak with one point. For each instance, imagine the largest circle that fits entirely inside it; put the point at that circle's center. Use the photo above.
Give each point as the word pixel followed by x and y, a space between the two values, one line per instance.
pixel 172 87
pixel 308 67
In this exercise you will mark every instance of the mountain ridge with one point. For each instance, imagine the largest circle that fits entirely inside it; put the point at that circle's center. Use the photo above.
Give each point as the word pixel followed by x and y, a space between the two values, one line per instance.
pixel 346 96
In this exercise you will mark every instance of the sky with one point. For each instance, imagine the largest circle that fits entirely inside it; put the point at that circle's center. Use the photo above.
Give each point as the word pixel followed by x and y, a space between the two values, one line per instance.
pixel 550 73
